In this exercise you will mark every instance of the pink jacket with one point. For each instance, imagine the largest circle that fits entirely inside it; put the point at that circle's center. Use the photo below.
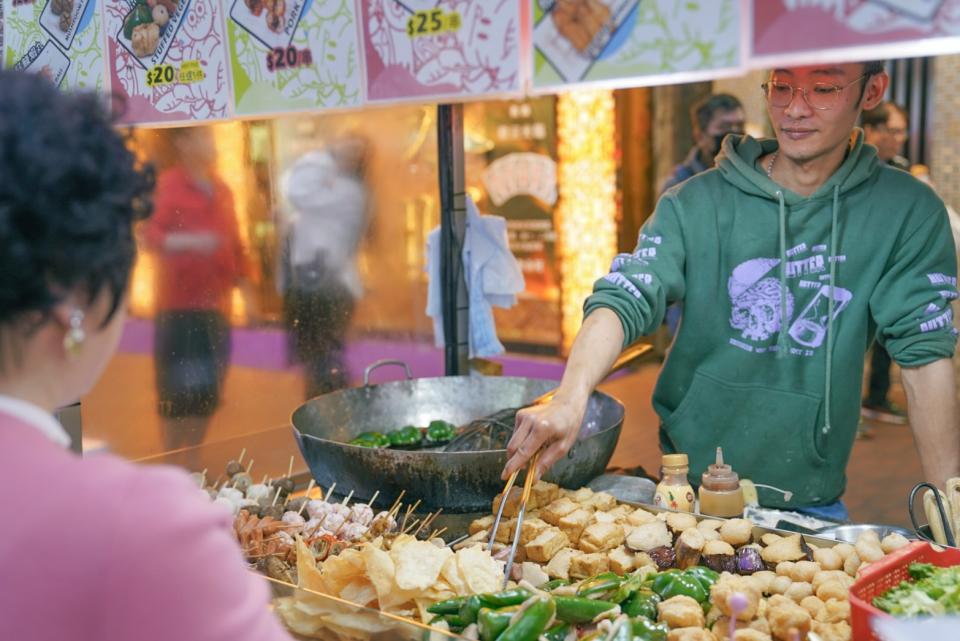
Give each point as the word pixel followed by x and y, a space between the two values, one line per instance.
pixel 99 549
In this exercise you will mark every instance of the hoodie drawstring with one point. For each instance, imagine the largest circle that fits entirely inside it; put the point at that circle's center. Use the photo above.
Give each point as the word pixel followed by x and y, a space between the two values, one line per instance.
pixel 832 258
pixel 830 306
pixel 782 336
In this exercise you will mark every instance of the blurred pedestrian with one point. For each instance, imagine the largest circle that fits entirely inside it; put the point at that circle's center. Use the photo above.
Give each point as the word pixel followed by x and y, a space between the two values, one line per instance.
pixel 195 237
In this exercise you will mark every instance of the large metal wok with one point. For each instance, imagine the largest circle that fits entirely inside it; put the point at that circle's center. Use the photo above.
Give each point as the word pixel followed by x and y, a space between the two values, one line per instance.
pixel 455 481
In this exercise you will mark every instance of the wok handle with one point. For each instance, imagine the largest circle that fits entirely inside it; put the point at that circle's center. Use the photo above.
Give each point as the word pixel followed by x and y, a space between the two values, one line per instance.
pixel 386 361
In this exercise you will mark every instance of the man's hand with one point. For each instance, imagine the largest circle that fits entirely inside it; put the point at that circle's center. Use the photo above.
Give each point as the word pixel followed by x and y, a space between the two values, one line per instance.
pixel 932 408
pixel 551 427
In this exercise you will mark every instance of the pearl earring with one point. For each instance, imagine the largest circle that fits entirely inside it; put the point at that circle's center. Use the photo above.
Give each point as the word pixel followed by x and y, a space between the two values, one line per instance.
pixel 75 336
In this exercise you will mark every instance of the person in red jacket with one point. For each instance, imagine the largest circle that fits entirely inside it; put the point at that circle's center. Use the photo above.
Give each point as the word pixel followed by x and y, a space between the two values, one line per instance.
pixel 199 260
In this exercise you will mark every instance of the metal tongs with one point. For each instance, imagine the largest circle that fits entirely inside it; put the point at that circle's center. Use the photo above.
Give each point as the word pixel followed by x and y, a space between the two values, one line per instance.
pixel 527 486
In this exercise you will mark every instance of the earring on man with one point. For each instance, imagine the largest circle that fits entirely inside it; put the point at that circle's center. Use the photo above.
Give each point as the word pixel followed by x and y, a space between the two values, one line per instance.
pixel 74 338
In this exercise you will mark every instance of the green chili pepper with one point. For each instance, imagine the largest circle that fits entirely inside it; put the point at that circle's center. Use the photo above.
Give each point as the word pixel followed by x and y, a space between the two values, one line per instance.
pixel 497 600
pixel 377 438
pixel 642 603
pixel 575 609
pixel 470 609
pixel 672 584
pixel 532 623
pixel 366 442
pixel 558 632
pixel 550 586
pixel 600 584
pixel 439 432
pixel 627 588
pixel 405 438
pixel 705 576
pixel 452 620
pixel 646 630
pixel 450 606
pixel 492 623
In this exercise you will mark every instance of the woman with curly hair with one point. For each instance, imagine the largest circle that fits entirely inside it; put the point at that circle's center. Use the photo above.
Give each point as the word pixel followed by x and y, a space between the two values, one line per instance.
pixel 98 548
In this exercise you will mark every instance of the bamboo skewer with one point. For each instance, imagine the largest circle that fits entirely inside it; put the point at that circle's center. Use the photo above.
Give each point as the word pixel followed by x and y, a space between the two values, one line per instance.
pixel 347 500
pixel 276 496
pixel 330 492
pixel 373 498
pixel 249 466
pixel 397 503
pixel 290 468
pixel 307 497
pixel 243 453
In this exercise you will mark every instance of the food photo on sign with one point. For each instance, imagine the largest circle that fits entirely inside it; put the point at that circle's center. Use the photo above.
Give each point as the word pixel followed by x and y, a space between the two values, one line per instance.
pixel 150 27
pixel 62 19
pixel 272 22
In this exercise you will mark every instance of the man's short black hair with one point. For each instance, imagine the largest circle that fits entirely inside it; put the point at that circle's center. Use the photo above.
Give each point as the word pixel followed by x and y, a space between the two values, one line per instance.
pixel 870 69
pixel 70 192
pixel 880 115
pixel 703 111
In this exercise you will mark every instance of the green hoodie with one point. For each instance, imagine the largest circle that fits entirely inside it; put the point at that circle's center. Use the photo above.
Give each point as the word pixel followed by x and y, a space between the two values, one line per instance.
pixel 728 242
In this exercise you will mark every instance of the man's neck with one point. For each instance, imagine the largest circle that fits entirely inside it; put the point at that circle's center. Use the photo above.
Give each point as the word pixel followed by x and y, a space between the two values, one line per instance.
pixel 806 177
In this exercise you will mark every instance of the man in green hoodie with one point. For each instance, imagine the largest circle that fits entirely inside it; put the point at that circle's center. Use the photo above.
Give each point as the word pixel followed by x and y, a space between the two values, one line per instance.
pixel 790 257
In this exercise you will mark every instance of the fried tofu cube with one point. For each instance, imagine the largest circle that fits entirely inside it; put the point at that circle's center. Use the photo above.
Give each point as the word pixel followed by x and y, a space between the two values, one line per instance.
pixel 543 493
pixel 587 565
pixel 640 517
pixel 558 509
pixel 481 524
pixel 622 561
pixel 601 501
pixel 559 565
pixel 531 529
pixel 512 507
pixel 582 495
pixel 620 513
pixel 601 537
pixel 574 523
pixel 549 542
pixel 506 530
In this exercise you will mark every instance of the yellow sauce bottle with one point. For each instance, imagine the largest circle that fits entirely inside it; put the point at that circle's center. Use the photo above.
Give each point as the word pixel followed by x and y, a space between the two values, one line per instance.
pixel 674 489
pixel 720 492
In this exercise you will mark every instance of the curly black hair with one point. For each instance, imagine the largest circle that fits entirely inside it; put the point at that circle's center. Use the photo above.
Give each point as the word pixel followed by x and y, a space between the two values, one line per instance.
pixel 70 192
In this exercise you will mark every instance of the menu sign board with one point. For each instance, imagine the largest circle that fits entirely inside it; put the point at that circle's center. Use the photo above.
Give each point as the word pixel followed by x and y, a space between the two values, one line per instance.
pixel 629 42
pixel 59 39
pixel 167 59
pixel 797 31
pixel 293 55
pixel 446 49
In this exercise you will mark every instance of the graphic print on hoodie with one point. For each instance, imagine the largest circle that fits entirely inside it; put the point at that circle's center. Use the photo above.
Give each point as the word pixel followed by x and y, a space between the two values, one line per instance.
pixel 782 295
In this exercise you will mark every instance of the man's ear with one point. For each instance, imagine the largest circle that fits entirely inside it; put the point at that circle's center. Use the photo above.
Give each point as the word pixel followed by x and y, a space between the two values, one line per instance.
pixel 875 90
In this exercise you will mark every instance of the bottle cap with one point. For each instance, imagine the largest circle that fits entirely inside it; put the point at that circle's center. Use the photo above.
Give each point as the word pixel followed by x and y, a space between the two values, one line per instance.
pixel 675 460
pixel 720 477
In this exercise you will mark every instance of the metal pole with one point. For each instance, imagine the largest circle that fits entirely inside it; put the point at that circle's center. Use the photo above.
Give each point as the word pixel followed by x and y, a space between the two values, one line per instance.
pixel 453 226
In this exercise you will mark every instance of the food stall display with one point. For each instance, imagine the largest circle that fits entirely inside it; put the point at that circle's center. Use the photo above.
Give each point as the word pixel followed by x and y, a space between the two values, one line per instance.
pixel 589 566
pixel 578 41
pixel 455 50
pixel 60 39
pixel 293 55
pixel 166 59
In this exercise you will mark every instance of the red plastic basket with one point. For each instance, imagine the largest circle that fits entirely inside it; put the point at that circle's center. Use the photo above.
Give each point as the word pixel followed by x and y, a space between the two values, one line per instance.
pixel 887 573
